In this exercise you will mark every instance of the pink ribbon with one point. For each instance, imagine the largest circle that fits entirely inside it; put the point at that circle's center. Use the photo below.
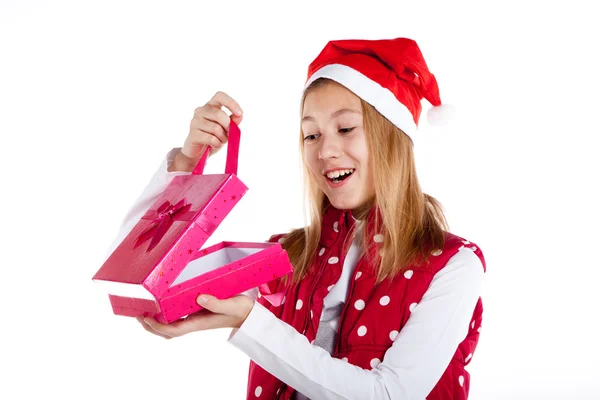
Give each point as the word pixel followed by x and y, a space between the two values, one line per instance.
pixel 276 299
pixel 163 218
pixel 233 149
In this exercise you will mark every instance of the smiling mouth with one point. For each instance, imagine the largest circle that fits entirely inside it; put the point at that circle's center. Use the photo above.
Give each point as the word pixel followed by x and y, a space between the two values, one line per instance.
pixel 340 175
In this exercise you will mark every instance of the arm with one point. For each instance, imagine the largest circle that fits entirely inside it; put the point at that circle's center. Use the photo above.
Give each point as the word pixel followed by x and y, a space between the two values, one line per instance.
pixel 410 368
pixel 209 127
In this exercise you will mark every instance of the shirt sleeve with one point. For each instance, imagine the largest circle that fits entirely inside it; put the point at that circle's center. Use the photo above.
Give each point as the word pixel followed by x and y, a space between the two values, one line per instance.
pixel 157 184
pixel 411 366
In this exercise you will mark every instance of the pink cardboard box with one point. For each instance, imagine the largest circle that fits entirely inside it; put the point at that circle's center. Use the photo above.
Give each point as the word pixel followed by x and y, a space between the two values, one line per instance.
pixel 160 267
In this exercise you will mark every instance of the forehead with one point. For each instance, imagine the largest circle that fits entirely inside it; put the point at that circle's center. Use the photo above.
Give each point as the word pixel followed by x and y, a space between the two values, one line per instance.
pixel 329 98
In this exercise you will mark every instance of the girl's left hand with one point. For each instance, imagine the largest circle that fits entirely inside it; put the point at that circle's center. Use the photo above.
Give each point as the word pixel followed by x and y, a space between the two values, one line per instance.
pixel 228 313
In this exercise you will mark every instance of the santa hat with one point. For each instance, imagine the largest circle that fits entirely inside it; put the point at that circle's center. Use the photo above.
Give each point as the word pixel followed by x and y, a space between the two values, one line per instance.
pixel 389 74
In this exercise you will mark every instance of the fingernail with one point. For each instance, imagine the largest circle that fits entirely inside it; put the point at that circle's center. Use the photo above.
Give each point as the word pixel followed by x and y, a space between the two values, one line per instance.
pixel 202 300
pixel 238 112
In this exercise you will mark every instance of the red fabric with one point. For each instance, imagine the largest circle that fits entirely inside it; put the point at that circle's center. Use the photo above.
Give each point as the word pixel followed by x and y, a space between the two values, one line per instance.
pixel 395 64
pixel 364 336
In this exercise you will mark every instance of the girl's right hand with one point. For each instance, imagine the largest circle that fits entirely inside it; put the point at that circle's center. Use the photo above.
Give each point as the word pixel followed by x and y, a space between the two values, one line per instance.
pixel 209 127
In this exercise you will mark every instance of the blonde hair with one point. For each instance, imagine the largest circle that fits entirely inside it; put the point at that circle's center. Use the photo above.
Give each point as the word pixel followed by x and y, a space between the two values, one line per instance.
pixel 412 222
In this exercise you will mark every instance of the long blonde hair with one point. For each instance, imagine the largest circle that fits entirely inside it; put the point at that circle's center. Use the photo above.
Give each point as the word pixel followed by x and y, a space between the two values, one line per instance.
pixel 412 222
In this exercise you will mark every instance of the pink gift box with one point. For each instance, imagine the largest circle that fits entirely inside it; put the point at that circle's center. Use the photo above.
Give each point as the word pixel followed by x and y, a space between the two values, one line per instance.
pixel 160 267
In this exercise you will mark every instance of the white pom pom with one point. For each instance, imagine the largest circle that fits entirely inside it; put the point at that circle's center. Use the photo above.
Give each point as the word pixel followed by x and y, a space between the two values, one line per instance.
pixel 441 115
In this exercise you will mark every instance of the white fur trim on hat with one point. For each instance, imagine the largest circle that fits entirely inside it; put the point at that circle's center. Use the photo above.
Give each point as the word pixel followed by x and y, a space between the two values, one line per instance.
pixel 441 115
pixel 370 91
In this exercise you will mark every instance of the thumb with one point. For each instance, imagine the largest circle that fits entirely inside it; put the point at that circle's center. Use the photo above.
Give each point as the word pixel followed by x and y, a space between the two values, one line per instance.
pixel 237 118
pixel 211 303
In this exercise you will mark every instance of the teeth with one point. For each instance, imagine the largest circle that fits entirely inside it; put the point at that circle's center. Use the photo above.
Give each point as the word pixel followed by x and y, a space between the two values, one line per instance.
pixel 338 173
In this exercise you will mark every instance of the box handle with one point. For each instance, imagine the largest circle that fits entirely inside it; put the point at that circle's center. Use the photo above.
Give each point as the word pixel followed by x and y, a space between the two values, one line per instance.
pixel 233 150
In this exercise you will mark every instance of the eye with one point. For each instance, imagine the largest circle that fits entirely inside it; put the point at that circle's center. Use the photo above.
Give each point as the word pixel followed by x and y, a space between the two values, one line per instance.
pixel 346 130
pixel 310 138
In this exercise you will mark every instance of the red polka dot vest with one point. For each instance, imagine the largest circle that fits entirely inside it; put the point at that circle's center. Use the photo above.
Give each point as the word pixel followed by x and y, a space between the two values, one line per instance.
pixel 367 331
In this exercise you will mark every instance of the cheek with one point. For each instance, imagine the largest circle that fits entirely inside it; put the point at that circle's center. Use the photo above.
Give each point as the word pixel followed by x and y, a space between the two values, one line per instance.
pixel 312 160
pixel 360 153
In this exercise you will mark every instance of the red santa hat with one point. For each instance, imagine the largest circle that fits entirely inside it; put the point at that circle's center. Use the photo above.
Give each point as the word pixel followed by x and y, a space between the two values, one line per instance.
pixel 389 74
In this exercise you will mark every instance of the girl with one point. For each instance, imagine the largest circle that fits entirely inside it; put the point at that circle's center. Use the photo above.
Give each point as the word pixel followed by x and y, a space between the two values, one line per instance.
pixel 384 301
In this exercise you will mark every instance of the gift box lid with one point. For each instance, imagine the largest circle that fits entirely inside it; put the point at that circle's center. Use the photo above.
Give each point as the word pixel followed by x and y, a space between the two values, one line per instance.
pixel 176 226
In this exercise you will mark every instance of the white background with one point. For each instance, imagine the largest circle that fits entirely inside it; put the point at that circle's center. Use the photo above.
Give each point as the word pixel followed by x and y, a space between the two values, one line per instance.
pixel 94 94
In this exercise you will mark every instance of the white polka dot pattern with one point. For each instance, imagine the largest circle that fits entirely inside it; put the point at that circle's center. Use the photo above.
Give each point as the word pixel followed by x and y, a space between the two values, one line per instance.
pixel 359 305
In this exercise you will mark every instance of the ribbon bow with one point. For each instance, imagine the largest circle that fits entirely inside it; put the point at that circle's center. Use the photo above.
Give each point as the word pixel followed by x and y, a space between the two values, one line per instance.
pixel 276 299
pixel 163 218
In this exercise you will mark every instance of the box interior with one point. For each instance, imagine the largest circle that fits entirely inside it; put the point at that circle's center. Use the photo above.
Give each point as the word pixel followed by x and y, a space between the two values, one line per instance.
pixel 125 289
pixel 213 261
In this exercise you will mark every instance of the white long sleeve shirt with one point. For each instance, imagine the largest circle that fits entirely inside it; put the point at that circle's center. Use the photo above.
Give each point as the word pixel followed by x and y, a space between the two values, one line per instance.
pixel 411 366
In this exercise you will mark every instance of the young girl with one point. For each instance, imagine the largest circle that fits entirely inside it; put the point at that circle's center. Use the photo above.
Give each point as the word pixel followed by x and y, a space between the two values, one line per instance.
pixel 384 301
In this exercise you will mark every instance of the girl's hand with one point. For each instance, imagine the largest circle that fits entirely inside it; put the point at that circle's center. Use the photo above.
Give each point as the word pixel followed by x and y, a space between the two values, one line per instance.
pixel 228 313
pixel 209 127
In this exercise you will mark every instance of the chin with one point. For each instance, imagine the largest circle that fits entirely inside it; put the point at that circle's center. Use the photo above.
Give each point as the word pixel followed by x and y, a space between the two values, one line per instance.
pixel 344 203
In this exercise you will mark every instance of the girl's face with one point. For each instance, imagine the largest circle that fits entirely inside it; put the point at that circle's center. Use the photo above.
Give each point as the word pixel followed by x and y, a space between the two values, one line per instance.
pixel 335 146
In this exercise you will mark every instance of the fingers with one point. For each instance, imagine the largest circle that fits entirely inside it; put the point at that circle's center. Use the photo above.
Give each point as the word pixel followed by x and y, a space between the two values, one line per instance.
pixel 213 304
pixel 193 323
pixel 201 322
pixel 238 306
pixel 228 313
pixel 210 125
pixel 164 330
pixel 204 132
pixel 147 327
pixel 196 143
pixel 221 99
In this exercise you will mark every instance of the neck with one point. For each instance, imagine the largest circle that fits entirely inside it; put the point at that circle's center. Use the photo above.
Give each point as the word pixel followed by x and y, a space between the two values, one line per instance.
pixel 361 212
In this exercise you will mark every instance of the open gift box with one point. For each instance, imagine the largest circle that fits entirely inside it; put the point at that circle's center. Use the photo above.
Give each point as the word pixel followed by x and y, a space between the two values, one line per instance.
pixel 160 267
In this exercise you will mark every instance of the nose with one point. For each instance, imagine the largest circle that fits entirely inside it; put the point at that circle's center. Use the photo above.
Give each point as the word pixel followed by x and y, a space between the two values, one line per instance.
pixel 330 147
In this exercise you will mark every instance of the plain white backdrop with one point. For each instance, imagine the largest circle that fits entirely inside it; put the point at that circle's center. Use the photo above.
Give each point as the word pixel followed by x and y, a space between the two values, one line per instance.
pixel 94 94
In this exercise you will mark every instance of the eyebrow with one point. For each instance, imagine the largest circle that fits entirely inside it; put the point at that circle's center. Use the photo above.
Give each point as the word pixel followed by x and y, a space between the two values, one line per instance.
pixel 334 114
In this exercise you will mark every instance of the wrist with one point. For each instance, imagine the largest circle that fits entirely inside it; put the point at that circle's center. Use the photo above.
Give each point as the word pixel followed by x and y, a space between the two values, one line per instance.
pixel 182 163
pixel 248 306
